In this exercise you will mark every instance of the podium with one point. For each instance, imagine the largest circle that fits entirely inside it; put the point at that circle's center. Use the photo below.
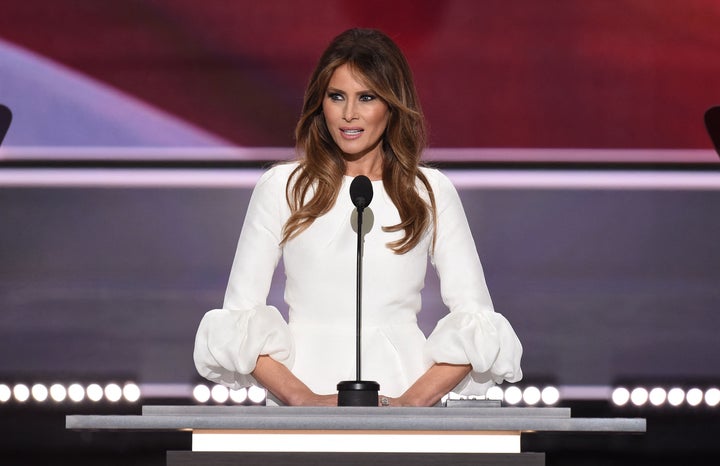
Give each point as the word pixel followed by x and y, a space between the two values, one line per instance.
pixel 279 436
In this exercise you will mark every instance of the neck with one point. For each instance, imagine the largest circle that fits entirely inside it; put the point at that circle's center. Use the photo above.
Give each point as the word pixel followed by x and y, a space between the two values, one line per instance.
pixel 370 165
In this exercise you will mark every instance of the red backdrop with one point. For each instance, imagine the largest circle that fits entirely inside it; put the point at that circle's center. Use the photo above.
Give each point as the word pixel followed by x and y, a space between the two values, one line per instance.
pixel 562 73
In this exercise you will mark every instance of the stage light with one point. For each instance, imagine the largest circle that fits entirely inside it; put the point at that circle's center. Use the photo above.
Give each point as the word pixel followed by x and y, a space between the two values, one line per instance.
pixel 639 396
pixel 657 396
pixel 676 396
pixel 201 393
pixel 5 393
pixel 694 396
pixel 550 395
pixel 712 397
pixel 94 392
pixel 219 394
pixel 620 396
pixel 131 392
pixel 531 396
pixel 494 393
pixel 76 392
pixel 256 394
pixel 21 392
pixel 113 392
pixel 39 392
pixel 58 392
pixel 513 395
pixel 239 396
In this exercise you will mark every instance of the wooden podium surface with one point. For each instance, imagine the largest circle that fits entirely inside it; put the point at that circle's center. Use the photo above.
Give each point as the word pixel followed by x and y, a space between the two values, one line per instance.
pixel 355 435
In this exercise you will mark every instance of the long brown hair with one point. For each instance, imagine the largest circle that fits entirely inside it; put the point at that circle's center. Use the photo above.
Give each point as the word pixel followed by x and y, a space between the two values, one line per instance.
pixel 374 57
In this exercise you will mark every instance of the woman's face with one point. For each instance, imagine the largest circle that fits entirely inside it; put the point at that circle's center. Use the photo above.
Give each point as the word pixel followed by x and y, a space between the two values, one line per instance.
pixel 355 116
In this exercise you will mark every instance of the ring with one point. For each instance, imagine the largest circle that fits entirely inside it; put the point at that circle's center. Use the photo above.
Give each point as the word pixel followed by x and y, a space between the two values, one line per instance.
pixel 384 401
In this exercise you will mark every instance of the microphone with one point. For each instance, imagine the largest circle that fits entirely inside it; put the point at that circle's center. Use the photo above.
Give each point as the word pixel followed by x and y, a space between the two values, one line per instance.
pixel 359 392
pixel 361 192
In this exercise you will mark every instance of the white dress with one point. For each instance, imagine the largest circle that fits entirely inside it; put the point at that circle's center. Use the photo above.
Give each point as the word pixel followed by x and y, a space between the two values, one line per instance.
pixel 318 343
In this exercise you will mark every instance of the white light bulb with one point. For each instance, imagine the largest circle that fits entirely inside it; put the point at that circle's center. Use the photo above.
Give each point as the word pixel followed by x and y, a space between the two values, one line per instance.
pixel 639 396
pixel 58 393
pixel 113 392
pixel 513 395
pixel 694 396
pixel 39 392
pixel 676 396
pixel 239 396
pixel 201 393
pixel 5 393
pixel 131 392
pixel 620 396
pixel 94 392
pixel 256 394
pixel 494 393
pixel 76 392
pixel 219 394
pixel 21 392
pixel 550 395
pixel 531 395
pixel 712 397
pixel 657 396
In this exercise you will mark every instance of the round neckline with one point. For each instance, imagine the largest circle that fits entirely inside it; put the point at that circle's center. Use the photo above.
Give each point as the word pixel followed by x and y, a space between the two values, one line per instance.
pixel 350 177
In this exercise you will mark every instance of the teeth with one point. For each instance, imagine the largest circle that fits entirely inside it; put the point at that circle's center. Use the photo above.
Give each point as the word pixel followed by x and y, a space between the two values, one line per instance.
pixel 352 131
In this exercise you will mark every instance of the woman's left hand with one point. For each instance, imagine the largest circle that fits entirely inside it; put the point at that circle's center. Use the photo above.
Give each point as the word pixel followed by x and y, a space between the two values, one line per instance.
pixel 430 387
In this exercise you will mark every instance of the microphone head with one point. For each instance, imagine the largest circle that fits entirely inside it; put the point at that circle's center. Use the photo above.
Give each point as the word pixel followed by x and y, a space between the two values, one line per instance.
pixel 361 191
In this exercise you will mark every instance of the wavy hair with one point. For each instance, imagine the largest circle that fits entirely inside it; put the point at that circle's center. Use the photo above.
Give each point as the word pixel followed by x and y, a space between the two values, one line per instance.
pixel 314 185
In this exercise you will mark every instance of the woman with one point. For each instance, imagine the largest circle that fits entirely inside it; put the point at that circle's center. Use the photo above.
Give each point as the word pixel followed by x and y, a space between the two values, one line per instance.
pixel 361 116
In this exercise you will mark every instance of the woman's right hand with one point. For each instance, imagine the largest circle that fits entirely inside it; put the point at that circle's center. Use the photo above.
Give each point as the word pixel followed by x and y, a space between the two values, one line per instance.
pixel 291 391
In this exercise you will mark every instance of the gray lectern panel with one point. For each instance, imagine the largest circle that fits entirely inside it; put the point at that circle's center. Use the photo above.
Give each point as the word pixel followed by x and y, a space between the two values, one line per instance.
pixel 334 418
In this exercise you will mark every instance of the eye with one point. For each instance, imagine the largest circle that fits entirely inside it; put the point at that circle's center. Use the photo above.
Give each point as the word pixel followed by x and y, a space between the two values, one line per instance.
pixel 367 98
pixel 334 96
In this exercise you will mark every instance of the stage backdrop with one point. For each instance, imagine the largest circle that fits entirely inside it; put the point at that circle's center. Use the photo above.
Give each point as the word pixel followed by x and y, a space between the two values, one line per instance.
pixel 599 284
pixel 112 281
pixel 523 73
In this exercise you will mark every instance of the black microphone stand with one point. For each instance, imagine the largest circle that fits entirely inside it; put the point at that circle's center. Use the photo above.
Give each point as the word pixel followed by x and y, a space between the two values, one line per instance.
pixel 359 392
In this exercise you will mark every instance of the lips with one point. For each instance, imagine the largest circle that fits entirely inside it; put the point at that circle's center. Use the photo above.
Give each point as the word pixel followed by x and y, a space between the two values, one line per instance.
pixel 351 133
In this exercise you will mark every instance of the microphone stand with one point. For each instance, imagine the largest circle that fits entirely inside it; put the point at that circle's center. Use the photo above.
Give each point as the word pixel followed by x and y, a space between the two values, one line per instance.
pixel 358 392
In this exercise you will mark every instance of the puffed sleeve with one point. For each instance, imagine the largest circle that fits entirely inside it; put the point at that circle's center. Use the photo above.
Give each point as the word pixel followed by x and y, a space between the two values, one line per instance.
pixel 472 333
pixel 229 340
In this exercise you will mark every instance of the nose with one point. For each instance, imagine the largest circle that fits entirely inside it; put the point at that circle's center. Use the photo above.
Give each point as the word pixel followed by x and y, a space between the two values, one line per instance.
pixel 349 112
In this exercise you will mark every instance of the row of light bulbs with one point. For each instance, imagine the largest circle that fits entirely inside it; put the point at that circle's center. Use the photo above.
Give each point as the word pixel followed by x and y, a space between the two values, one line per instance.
pixel 220 394
pixel 530 396
pixel 512 395
pixel 621 396
pixel 74 392
pixel 658 396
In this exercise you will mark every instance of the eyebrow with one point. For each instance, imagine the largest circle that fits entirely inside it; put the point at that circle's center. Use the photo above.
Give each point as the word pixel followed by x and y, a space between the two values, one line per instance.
pixel 338 91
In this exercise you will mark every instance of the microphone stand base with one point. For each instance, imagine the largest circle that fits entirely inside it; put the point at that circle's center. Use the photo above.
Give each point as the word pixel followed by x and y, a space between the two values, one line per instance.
pixel 358 393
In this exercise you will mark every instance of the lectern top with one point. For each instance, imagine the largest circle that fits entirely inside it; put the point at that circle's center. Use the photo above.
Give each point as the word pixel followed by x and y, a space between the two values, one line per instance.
pixel 355 418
